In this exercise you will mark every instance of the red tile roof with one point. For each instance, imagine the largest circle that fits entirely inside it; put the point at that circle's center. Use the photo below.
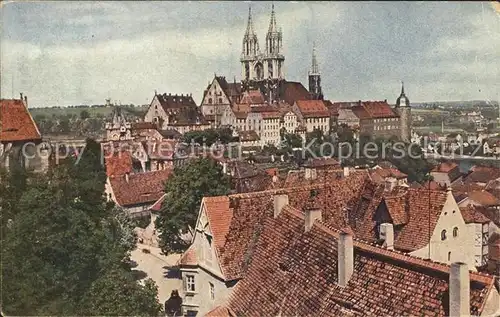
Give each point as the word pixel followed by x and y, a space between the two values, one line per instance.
pixel 405 206
pixel 379 109
pixel 141 188
pixel 312 108
pixel 219 216
pixel 252 97
pixel 332 107
pixel 119 164
pixel 473 214
pixel 292 273
pixel 188 258
pixel 380 174
pixel 481 174
pixel 483 198
pixel 240 215
pixel 370 109
pixel 16 122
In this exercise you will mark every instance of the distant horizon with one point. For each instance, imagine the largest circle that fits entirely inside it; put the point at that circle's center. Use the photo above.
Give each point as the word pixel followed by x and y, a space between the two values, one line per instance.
pixel 83 52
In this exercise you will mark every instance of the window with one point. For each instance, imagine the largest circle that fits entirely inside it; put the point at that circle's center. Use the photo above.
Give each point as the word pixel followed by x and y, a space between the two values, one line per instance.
pixel 443 235
pixel 449 256
pixel 455 232
pixel 189 285
pixel 212 291
pixel 220 100
pixel 210 100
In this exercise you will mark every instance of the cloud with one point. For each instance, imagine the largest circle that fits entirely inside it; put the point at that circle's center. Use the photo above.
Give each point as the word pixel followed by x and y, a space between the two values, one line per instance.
pixel 83 52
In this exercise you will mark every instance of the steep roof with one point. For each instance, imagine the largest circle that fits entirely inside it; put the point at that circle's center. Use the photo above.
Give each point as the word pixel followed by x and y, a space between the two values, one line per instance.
pixel 380 174
pixel 417 209
pixel 292 91
pixel 473 214
pixel 16 122
pixel 252 97
pixel 118 164
pixel 141 188
pixel 293 273
pixel 241 216
pixel 312 108
pixel 482 174
pixel 483 198
pixel 370 109
pixel 170 101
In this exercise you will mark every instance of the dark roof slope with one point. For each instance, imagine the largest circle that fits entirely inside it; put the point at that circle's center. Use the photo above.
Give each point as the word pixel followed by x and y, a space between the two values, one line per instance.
pixel 293 273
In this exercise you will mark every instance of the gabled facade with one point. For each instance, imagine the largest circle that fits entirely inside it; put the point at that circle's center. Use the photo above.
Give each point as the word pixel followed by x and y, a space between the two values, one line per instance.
pixel 178 112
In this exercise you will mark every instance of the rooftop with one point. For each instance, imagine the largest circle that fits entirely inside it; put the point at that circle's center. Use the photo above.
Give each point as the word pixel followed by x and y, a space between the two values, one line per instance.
pixel 16 122
pixel 292 273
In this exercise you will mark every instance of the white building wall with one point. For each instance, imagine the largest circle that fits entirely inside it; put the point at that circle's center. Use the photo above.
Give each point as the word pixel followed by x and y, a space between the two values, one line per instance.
pixel 207 272
pixel 271 131
pixel 155 112
pixel 290 122
pixel 461 247
pixel 321 123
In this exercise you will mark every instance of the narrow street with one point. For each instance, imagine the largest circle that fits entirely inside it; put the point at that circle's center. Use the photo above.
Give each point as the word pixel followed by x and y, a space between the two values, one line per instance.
pixel 160 268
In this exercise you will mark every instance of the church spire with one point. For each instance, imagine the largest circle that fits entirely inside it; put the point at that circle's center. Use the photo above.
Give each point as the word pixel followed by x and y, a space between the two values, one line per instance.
pixel 272 23
pixel 314 66
pixel 402 88
pixel 249 30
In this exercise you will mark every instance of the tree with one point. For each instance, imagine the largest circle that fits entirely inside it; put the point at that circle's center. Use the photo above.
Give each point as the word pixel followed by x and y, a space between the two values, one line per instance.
pixel 184 191
pixel 65 251
pixel 84 114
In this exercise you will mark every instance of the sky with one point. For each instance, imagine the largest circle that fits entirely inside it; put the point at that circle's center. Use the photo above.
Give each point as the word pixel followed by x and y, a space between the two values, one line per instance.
pixel 64 53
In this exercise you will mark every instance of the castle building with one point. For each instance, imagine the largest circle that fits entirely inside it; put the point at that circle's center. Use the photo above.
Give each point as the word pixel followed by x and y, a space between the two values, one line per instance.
pixel 404 110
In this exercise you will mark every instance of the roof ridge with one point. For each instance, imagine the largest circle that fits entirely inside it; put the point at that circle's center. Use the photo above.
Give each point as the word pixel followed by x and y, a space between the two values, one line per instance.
pixel 392 254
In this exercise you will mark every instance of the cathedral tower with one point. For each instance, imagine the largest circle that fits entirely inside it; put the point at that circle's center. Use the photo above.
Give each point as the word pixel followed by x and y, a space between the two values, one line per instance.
pixel 274 59
pixel 250 50
pixel 404 110
pixel 315 78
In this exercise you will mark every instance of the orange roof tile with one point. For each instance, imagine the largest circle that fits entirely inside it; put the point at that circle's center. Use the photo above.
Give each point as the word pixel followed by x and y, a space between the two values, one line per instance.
pixel 188 257
pixel 141 188
pixel 473 214
pixel 312 108
pixel 294 273
pixel 119 164
pixel 483 198
pixel 16 122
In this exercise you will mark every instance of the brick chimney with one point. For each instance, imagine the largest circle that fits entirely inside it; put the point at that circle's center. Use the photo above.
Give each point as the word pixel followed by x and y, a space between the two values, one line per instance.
pixel 21 94
pixel 345 258
pixel 280 201
pixel 311 214
pixel 459 290
pixel 387 234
